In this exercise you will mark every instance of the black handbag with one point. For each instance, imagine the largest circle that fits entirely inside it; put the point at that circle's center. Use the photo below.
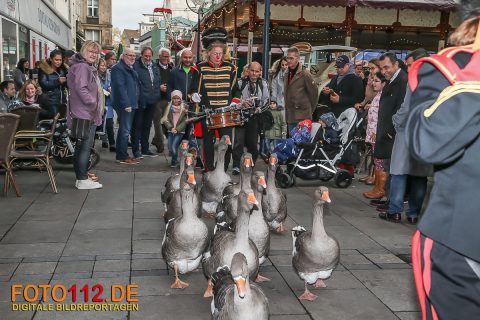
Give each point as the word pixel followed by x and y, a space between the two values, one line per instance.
pixel 81 128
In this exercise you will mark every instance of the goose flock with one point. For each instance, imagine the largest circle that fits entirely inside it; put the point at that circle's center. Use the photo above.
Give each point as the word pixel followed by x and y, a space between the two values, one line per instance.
pixel 245 215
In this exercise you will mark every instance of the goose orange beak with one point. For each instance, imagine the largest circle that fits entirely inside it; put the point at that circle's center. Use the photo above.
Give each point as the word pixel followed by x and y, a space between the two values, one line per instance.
pixel 261 182
pixel 240 284
pixel 273 161
pixel 228 141
pixel 251 199
pixel 326 197
pixel 189 161
pixel 184 145
pixel 248 163
pixel 191 178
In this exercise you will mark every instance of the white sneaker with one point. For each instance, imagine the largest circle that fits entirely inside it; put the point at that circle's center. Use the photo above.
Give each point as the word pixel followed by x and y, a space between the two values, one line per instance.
pixel 87 184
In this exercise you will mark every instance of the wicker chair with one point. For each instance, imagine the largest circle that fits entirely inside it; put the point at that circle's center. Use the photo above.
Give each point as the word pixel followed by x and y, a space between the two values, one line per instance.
pixel 8 127
pixel 40 156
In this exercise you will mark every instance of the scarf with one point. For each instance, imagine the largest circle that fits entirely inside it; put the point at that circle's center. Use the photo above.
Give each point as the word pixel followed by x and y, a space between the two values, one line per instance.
pixel 30 100
pixel 176 114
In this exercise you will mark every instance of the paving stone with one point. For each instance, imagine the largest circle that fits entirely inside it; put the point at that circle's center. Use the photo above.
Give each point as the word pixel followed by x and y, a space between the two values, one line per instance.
pixel 110 274
pixel 74 267
pixel 98 242
pixel 150 273
pixel 148 210
pixel 358 304
pixel 74 275
pixel 112 265
pixel 40 259
pixel 35 268
pixel 136 256
pixel 53 211
pixel 77 258
pixel 395 288
pixel 148 229
pixel 350 259
pixel 92 220
pixel 31 278
pixel 168 308
pixel 7 313
pixel 147 246
pixel 148 264
pixel 409 315
pixel 38 231
pixel 4 228
pixel 351 238
pixel 6 269
pixel 114 257
pixel 160 285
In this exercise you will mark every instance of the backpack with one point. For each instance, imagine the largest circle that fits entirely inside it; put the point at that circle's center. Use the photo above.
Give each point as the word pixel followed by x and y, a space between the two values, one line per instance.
pixel 464 80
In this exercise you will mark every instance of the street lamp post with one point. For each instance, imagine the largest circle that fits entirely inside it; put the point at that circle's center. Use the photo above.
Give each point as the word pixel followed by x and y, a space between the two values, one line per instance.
pixel 266 40
pixel 197 6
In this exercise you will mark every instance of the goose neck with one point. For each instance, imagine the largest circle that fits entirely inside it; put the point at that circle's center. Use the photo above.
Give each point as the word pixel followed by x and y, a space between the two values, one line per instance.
pixel 318 229
pixel 241 229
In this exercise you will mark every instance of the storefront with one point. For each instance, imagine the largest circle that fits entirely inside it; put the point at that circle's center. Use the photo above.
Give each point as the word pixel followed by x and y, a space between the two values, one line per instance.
pixel 30 29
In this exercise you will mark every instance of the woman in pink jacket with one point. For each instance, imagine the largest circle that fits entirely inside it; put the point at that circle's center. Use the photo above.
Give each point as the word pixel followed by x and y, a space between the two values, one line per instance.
pixel 85 103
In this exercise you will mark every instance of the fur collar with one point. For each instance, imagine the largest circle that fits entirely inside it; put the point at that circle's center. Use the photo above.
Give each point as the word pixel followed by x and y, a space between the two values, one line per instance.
pixel 48 68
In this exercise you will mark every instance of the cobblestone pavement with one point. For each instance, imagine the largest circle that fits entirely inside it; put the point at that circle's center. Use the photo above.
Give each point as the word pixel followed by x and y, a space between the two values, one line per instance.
pixel 113 236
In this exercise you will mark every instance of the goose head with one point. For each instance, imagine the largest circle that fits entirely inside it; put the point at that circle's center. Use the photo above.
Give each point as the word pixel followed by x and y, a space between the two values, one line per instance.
pixel 322 195
pixel 246 163
pixel 188 174
pixel 247 200
pixel 224 143
pixel 239 273
pixel 258 181
pixel 273 162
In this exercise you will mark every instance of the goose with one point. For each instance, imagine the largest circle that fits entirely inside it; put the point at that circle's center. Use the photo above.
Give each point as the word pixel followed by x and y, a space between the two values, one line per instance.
pixel 216 180
pixel 274 203
pixel 174 208
pixel 234 297
pixel 173 182
pixel 186 237
pixel 225 243
pixel 315 253
pixel 258 230
pixel 227 208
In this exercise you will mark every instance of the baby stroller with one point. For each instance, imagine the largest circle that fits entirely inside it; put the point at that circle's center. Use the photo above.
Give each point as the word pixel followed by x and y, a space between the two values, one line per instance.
pixel 319 162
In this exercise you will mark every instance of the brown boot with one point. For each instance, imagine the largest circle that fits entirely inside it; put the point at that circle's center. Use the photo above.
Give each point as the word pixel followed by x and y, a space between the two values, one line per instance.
pixel 371 180
pixel 369 177
pixel 379 189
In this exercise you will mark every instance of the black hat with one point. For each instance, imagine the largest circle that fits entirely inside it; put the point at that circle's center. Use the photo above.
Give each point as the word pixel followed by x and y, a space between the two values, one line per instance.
pixel 214 34
pixel 470 8
pixel 341 61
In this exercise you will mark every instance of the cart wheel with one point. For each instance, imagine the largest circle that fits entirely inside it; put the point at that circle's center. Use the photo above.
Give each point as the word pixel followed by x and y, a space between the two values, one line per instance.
pixel 343 178
pixel 283 180
pixel 293 180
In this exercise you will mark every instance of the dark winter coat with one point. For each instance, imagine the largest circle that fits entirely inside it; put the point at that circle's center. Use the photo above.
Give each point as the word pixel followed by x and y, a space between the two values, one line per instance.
pixel 350 89
pixel 48 78
pixel 125 89
pixel 392 98
pixel 149 91
pixel 43 102
pixel 179 80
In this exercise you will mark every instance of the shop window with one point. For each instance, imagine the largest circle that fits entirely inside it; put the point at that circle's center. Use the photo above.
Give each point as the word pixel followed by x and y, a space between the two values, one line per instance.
pixel 93 35
pixel 92 8
pixel 9 48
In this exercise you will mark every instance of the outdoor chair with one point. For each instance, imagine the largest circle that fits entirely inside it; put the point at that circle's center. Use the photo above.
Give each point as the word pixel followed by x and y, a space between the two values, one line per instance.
pixel 29 117
pixel 8 126
pixel 40 156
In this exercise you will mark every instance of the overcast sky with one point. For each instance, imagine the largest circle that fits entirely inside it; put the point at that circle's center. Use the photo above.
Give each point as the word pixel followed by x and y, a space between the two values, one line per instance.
pixel 126 14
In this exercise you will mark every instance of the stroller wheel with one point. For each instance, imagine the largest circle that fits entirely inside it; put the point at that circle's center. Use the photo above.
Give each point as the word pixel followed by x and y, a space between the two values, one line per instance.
pixel 293 180
pixel 343 178
pixel 283 180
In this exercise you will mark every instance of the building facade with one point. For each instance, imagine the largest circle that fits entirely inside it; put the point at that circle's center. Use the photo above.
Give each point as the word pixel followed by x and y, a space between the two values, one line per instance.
pixel 32 29
pixel 96 22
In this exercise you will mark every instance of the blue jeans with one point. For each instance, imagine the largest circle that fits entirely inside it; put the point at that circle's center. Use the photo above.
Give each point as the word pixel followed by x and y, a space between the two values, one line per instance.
pixel 81 155
pixel 398 185
pixel 173 143
pixel 125 120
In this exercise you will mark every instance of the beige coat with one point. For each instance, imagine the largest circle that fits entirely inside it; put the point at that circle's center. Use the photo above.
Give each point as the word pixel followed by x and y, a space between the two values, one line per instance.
pixel 301 96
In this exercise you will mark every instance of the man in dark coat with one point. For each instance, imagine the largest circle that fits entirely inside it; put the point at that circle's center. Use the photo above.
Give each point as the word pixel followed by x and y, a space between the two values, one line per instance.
pixel 125 94
pixel 344 90
pixel 149 82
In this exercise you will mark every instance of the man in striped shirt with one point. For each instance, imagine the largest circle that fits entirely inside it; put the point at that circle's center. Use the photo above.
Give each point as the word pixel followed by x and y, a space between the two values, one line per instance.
pixel 214 81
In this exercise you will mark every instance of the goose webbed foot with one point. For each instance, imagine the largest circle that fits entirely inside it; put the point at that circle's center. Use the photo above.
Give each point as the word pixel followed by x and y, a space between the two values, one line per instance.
pixel 307 295
pixel 178 284
pixel 281 228
pixel 209 291
pixel 261 278
pixel 320 284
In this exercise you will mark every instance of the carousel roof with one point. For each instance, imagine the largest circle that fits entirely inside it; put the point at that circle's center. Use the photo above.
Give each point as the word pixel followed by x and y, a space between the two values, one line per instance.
pixel 445 5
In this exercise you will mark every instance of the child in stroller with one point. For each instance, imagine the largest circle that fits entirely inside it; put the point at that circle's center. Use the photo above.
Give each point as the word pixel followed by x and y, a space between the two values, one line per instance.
pixel 333 141
pixel 287 149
